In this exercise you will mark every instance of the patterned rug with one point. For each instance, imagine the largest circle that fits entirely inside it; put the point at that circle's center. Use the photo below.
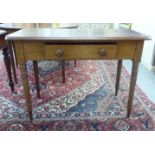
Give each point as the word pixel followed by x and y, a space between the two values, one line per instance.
pixel 85 102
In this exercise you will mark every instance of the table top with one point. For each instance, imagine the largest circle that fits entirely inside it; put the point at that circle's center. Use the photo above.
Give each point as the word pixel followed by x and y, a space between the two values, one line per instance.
pixel 18 26
pixel 76 35
pixel 2 32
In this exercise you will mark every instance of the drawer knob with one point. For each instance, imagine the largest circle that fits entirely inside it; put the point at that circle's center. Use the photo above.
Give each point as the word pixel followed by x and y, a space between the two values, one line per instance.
pixel 103 52
pixel 59 52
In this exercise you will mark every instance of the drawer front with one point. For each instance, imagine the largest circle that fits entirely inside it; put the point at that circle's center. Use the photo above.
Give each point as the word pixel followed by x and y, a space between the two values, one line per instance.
pixel 107 51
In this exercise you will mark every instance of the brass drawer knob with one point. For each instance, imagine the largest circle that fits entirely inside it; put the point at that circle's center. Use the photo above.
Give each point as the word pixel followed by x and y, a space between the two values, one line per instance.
pixel 102 52
pixel 59 52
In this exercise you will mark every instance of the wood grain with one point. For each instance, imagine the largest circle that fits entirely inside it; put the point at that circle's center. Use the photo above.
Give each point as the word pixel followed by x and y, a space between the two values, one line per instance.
pixel 119 67
pixel 139 50
pixel 36 75
pixel 2 39
pixel 10 48
pixel 80 51
pixel 26 88
pixel 76 35
pixel 132 87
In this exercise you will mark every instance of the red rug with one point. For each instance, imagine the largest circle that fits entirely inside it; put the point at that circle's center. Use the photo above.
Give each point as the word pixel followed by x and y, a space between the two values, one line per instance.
pixel 85 102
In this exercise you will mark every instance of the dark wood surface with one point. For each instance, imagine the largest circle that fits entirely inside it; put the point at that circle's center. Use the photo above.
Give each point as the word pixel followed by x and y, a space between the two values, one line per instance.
pixel 6 57
pixel 76 35
pixel 2 38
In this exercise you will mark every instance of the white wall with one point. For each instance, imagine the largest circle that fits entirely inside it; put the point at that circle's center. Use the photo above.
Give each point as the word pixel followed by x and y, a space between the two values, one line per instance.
pixel 94 25
pixel 148 29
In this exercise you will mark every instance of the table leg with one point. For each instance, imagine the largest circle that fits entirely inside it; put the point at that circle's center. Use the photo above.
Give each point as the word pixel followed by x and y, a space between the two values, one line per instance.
pixel 63 70
pixel 10 47
pixel 26 89
pixel 75 62
pixel 119 67
pixel 36 74
pixel 8 67
pixel 13 46
pixel 132 86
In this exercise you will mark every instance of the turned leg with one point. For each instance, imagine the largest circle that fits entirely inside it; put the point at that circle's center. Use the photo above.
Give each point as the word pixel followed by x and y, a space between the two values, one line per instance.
pixel 132 87
pixel 26 89
pixel 8 67
pixel 36 74
pixel 10 47
pixel 63 70
pixel 119 67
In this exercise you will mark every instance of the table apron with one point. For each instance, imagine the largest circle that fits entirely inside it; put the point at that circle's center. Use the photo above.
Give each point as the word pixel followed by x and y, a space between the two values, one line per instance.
pixel 39 50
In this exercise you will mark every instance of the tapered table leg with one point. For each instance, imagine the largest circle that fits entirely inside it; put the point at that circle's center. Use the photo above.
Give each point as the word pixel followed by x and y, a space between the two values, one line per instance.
pixel 36 74
pixel 132 87
pixel 63 70
pixel 13 46
pixel 119 67
pixel 75 62
pixel 8 67
pixel 10 48
pixel 26 89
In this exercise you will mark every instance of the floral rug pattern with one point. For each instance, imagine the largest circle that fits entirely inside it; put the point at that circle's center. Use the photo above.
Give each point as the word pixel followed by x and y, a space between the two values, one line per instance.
pixel 85 101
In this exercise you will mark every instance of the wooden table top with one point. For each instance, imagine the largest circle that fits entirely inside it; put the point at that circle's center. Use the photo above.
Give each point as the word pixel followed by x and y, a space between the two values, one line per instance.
pixel 76 35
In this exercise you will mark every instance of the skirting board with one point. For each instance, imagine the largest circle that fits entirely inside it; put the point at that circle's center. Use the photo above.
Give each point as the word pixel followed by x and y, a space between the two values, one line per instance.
pixel 148 67
pixel 153 68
